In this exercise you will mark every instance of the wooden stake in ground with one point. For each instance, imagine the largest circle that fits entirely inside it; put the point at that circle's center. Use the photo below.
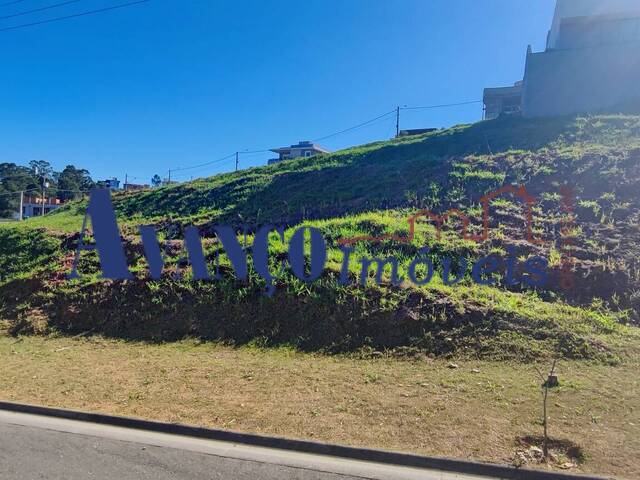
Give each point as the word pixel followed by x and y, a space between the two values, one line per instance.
pixel 549 382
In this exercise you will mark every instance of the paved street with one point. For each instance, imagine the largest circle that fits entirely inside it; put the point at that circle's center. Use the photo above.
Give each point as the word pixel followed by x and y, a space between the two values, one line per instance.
pixel 33 453
pixel 34 447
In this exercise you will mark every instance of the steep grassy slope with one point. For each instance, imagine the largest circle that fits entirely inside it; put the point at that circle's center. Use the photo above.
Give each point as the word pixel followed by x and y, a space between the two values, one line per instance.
pixel 394 173
pixel 372 190
pixel 404 172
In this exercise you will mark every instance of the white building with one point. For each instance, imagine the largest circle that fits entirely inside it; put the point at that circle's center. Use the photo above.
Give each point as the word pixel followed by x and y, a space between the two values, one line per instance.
pixel 302 149
pixel 32 206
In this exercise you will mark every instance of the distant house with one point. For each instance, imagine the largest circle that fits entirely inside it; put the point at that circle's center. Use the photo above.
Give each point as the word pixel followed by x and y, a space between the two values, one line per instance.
pixel 112 183
pixel 129 187
pixel 32 206
pixel 302 149
pixel 591 64
pixel 415 131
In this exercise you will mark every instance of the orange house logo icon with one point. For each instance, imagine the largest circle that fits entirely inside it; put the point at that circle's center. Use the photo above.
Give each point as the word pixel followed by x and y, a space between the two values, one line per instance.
pixel 519 192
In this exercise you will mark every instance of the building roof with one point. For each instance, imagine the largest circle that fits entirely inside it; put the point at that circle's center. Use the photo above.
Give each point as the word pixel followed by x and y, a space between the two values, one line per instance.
pixel 303 145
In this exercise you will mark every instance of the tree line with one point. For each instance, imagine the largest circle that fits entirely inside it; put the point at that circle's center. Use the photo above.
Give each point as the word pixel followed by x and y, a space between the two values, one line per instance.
pixel 69 184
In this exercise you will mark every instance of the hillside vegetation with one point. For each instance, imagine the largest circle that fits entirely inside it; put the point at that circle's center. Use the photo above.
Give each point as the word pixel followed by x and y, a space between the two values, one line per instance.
pixel 372 190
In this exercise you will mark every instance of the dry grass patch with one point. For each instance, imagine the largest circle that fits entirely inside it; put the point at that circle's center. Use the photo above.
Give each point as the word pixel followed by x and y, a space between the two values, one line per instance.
pixel 480 410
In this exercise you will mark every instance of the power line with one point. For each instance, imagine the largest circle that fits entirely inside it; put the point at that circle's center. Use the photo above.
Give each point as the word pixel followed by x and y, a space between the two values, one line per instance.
pixel 441 106
pixel 371 121
pixel 49 188
pixel 11 3
pixel 428 107
pixel 18 191
pixel 57 190
pixel 203 164
pixel 249 152
pixel 186 175
pixel 70 191
pixel 229 158
pixel 355 126
pixel 75 15
pixel 41 9
pixel 197 173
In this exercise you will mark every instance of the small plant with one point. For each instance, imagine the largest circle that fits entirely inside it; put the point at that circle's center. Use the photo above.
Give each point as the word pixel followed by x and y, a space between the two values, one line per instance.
pixel 411 197
pixel 555 257
pixel 591 206
pixel 433 195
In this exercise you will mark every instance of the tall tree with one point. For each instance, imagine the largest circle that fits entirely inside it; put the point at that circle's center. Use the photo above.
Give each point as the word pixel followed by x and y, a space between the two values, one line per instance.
pixel 66 185
pixel 72 182
pixel 14 179
pixel 47 178
pixel 41 167
pixel 156 181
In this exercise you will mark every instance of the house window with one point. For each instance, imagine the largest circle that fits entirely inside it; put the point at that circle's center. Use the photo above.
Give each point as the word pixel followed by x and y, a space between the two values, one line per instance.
pixel 308 153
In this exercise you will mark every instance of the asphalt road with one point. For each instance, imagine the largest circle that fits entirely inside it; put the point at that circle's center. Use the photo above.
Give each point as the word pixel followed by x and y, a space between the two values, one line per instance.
pixel 35 447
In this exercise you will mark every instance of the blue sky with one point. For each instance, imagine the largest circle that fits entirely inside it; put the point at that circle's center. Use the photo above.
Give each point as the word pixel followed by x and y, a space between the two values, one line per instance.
pixel 173 83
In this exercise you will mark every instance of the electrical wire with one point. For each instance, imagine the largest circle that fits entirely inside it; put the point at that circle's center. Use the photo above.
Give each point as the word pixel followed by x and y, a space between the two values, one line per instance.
pixel 41 9
pixel 70 191
pixel 18 191
pixel 203 164
pixel 190 174
pixel 206 164
pixel 444 105
pixel 75 15
pixel 354 127
pixel 371 121
pixel 38 190
pixel 11 3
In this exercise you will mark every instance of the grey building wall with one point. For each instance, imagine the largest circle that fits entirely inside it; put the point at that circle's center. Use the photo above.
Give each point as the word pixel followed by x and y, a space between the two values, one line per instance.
pixel 585 32
pixel 588 8
pixel 562 82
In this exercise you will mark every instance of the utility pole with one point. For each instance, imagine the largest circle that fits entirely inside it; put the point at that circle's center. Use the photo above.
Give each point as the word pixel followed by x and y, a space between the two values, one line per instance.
pixel 397 121
pixel 237 153
pixel 21 205
pixel 169 179
pixel 125 181
pixel 44 184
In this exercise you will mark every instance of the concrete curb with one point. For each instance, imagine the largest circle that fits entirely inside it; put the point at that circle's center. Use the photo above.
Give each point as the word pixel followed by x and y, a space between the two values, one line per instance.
pixel 304 446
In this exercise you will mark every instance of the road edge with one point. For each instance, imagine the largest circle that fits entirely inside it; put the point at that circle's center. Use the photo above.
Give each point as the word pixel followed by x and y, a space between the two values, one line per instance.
pixel 303 446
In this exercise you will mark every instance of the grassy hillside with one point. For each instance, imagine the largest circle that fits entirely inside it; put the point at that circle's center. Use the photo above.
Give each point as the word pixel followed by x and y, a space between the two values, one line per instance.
pixel 371 190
